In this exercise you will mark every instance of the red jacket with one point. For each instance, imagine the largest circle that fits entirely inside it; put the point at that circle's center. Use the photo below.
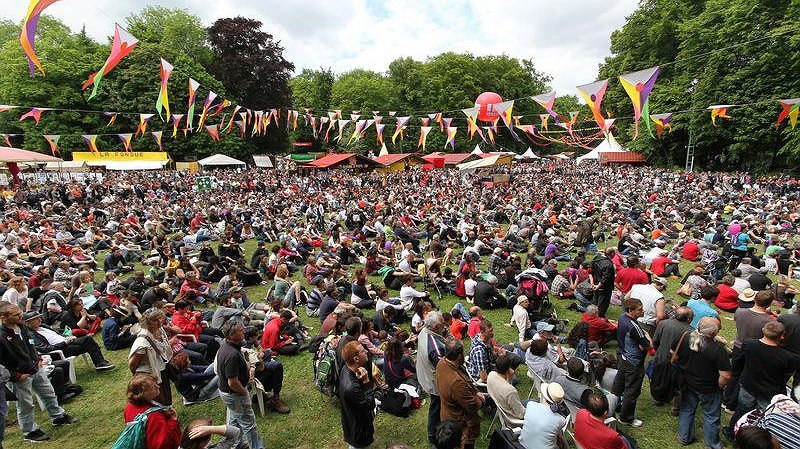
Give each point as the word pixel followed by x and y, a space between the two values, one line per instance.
pixel 189 323
pixel 271 338
pixel 690 251
pixel 597 325
pixel 160 432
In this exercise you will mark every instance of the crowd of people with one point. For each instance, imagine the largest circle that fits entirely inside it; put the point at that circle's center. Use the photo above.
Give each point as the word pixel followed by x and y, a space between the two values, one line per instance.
pixel 158 268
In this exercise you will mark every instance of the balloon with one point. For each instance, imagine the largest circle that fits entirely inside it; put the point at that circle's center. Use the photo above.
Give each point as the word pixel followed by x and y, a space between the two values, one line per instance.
pixel 486 102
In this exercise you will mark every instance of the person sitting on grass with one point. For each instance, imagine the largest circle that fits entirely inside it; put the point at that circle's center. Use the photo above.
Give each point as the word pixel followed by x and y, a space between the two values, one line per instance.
pixel 274 337
pixel 197 435
pixel 162 429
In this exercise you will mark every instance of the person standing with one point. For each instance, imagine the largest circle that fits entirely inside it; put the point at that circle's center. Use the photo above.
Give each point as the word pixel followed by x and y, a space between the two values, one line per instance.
pixel 663 380
pixel 356 394
pixel 633 345
pixel 430 346
pixel 706 370
pixel 19 356
pixel 652 297
pixel 460 398
pixel 764 368
pixel 602 276
pixel 234 375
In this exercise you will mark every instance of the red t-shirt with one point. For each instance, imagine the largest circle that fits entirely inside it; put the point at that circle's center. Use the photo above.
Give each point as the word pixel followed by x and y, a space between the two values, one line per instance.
pixel 593 434
pixel 659 263
pixel 690 251
pixel 597 325
pixel 628 277
pixel 160 431
pixel 457 329
pixel 728 298
pixel 474 327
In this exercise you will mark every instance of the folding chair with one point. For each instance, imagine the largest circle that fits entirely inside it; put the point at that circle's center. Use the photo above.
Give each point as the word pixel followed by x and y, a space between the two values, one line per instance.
pixel 506 422
pixel 59 355
pixel 537 382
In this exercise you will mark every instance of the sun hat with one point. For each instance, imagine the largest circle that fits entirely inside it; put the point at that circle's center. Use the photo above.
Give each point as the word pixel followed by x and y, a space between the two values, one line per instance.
pixel 552 392
pixel 747 295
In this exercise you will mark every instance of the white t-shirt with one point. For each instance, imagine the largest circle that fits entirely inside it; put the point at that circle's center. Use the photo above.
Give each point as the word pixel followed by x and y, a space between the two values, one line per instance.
pixel 469 287
pixel 407 295
pixel 740 284
pixel 648 295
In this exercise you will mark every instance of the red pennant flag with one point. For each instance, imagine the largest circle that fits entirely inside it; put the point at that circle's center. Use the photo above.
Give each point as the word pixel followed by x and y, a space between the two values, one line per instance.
pixel 52 139
pixel 213 131
pixel 34 113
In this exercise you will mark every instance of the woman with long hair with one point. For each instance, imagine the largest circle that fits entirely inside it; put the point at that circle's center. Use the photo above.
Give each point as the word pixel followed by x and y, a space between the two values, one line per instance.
pixel 151 351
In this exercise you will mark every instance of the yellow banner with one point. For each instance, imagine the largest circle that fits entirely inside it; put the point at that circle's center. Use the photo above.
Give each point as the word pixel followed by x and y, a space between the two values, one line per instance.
pixel 120 156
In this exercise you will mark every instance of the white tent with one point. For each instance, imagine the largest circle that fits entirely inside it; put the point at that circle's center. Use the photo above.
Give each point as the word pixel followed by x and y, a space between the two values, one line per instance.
pixel 220 160
pixel 609 145
pixel 485 162
pixel 69 166
pixel 528 154
pixel 477 150
pixel 263 162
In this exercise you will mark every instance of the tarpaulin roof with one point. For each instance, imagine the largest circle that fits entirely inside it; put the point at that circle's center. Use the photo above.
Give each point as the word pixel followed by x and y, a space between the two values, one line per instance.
pixel 219 159
pixel 8 154
pixel 628 157
pixel 302 157
pixel 489 161
pixel 450 158
pixel 389 159
pixel 263 161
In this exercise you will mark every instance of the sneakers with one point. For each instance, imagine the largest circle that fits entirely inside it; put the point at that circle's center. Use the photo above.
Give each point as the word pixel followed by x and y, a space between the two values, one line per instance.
pixel 64 420
pixel 36 436
pixel 105 366
pixel 279 406
pixel 634 423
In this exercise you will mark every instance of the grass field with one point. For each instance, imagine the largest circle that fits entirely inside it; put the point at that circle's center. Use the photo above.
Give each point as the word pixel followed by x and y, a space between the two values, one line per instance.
pixel 314 421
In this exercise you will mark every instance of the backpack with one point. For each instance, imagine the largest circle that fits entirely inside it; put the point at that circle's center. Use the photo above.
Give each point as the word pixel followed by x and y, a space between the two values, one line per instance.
pixel 326 373
pixel 133 436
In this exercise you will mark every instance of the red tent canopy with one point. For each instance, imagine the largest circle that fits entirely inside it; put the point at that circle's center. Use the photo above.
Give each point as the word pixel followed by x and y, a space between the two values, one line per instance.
pixel 8 154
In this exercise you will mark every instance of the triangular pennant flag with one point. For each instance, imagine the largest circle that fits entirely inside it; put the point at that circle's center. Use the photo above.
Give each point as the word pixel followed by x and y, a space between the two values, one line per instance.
pixel 121 46
pixel 376 112
pixel 662 121
pixel 91 141
pixel 176 120
pixel 593 95
pixel 424 121
pixel 719 111
pixel 338 113
pixel 789 108
pixel 7 138
pixel 402 123
pixel 112 119
pixel 526 128
pixel 220 107
pixel 193 86
pixel 451 137
pixel 472 121
pixel 505 109
pixel 233 117
pixel 489 133
pixel 213 131
pixel 6 107
pixel 638 86
pixel 544 118
pixel 143 119
pixel 157 136
pixel 360 126
pixel 423 136
pixel 445 123
pixel 163 97
pixel 313 124
pixel 126 140
pixel 52 139
pixel 27 35
pixel 437 117
pixel 379 130
pixel 355 116
pixel 342 124
pixel 241 125
pixel 34 113
pixel 203 115
pixel 377 119
pixel 384 150
pixel 392 113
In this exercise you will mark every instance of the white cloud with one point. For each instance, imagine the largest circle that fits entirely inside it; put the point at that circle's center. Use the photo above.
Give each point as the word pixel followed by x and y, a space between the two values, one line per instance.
pixel 566 39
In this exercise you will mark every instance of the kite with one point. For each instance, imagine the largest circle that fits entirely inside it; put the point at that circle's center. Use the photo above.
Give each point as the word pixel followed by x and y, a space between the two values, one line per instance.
pixel 451 137
pixel 27 35
pixel 662 121
pixel 91 140
pixel 638 85
pixel 593 94
pixel 213 131
pixel 720 110
pixel 126 140
pixel 143 119
pixel 402 123
pixel 157 136
pixel 34 113
pixel 193 86
pixel 379 130
pixel 203 115
pixel 791 108
pixel 163 97
pixel 176 120
pixel 423 136
pixel 122 45
pixel 52 139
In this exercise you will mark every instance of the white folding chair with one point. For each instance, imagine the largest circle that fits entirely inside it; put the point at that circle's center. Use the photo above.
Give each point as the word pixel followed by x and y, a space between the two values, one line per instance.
pixel 573 411
pixel 59 354
pixel 506 422
pixel 536 382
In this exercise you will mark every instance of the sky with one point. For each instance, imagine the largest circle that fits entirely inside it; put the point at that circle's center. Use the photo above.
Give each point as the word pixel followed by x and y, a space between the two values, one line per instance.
pixel 567 39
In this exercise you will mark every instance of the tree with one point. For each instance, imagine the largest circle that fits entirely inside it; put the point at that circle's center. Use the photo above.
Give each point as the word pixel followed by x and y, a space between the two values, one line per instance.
pixel 251 66
pixel 363 90
pixel 312 89
pixel 176 28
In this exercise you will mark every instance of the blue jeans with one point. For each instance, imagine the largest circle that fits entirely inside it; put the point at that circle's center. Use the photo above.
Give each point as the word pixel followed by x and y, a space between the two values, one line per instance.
pixel 711 403
pixel 582 301
pixel 241 415
pixel 463 310
pixel 24 389
pixel 209 391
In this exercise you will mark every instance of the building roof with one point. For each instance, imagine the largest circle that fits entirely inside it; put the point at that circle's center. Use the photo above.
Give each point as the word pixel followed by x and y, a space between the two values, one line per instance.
pixel 628 157
pixel 262 161
pixel 220 159
pixel 450 158
pixel 8 154
pixel 338 158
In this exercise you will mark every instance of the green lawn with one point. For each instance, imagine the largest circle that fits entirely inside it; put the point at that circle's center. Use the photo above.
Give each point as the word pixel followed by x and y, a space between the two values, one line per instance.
pixel 314 420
